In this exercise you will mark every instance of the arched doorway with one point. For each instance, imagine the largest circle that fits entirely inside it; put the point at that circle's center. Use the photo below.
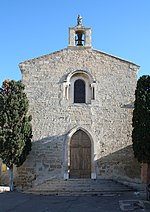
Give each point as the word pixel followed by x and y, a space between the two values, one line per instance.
pixel 80 155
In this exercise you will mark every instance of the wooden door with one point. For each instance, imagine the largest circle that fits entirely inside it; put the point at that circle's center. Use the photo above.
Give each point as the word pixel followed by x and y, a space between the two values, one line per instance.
pixel 80 155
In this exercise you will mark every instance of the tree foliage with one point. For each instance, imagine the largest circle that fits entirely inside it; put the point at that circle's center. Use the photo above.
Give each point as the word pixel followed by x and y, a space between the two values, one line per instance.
pixel 141 120
pixel 15 124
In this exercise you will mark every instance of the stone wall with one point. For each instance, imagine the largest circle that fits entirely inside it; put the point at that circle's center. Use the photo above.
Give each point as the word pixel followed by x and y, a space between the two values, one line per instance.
pixel 108 118
pixel 4 174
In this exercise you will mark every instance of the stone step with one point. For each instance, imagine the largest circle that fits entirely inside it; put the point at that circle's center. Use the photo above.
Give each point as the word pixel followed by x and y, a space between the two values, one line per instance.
pixel 79 186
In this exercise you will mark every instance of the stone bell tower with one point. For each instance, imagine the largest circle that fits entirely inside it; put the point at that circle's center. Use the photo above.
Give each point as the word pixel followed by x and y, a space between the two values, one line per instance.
pixel 79 35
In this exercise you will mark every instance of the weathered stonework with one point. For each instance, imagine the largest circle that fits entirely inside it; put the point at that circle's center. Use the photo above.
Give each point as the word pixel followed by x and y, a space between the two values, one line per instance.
pixel 107 118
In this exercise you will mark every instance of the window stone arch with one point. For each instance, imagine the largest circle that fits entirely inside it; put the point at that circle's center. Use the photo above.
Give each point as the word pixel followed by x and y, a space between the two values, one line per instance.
pixel 70 85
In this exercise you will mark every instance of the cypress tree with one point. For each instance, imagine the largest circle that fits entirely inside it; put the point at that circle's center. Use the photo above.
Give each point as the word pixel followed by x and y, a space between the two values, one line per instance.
pixel 141 121
pixel 15 125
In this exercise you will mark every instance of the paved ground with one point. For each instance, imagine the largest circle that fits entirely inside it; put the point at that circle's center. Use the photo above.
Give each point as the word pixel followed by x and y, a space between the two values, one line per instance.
pixel 113 202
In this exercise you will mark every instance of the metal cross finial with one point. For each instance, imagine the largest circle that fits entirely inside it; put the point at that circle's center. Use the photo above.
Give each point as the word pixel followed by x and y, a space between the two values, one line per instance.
pixel 79 20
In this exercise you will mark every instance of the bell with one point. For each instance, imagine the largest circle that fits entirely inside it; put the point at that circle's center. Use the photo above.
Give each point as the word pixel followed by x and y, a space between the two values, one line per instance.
pixel 79 39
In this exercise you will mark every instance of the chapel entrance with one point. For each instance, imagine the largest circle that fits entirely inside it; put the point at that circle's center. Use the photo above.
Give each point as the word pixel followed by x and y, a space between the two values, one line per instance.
pixel 80 155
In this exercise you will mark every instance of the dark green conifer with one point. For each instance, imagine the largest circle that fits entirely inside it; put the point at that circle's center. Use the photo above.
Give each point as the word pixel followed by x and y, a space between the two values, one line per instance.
pixel 15 125
pixel 141 120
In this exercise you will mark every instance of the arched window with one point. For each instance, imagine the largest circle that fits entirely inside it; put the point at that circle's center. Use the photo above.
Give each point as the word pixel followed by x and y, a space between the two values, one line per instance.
pixel 79 87
pixel 79 91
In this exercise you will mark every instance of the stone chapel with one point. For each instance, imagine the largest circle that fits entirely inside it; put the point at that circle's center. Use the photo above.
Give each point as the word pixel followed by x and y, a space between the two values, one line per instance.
pixel 81 101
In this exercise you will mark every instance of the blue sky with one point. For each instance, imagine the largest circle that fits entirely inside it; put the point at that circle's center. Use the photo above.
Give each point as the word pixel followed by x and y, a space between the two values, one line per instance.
pixel 31 28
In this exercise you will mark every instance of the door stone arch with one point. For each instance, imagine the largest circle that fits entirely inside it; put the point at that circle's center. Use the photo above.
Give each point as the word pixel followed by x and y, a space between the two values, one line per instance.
pixel 79 155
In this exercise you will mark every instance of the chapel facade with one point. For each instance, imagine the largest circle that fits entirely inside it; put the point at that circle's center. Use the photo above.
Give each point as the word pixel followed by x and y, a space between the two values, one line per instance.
pixel 81 101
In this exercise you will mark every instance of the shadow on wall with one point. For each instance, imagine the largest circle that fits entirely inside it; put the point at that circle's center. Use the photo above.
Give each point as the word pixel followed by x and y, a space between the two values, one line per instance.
pixel 119 165
pixel 44 162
